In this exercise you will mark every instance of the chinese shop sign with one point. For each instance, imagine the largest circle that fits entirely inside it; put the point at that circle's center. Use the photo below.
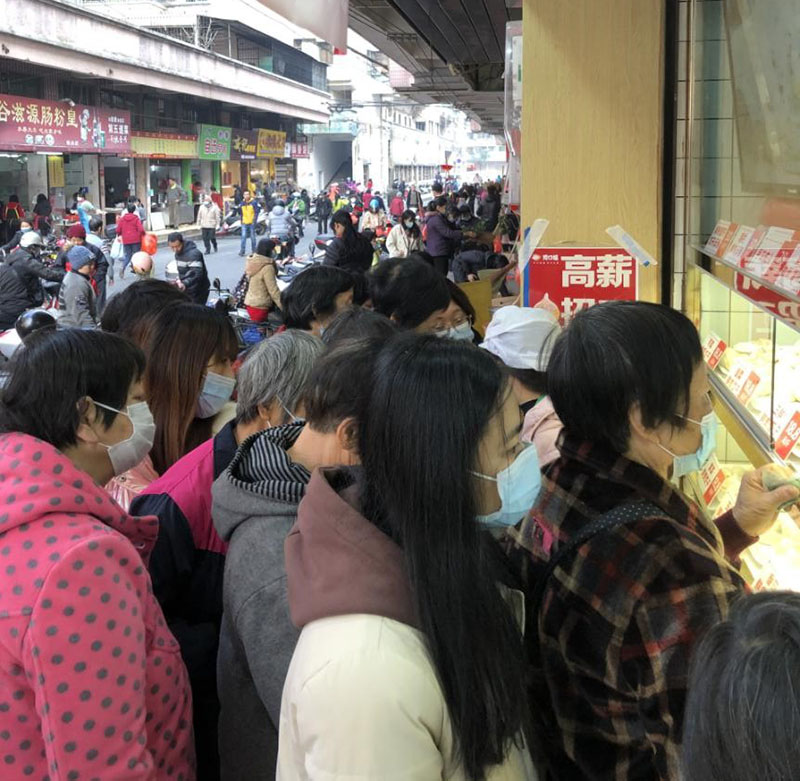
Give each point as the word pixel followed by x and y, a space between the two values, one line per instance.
pixel 244 144
pixel 172 145
pixel 271 143
pixel 213 142
pixel 568 279
pixel 28 124
pixel 298 149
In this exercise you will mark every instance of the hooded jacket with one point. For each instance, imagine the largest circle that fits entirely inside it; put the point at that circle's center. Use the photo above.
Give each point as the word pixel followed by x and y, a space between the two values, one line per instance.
pixel 362 699
pixel 542 426
pixel 255 504
pixel 77 302
pixel 129 228
pixel 20 287
pixel 192 272
pixel 281 223
pixel 262 291
pixel 186 567
pixel 441 237
pixel 91 680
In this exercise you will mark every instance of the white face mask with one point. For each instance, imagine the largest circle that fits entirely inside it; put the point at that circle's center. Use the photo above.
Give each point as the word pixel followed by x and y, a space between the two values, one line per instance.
pixel 461 333
pixel 217 391
pixel 130 452
pixel 518 485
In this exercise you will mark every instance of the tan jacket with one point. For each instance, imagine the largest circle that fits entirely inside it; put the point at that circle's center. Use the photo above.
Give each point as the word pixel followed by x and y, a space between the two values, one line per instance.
pixel 263 291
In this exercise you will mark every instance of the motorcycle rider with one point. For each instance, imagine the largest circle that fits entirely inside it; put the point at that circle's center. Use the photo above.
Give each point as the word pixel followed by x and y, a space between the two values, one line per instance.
pixel 298 210
pixel 281 226
pixel 20 279
pixel 13 243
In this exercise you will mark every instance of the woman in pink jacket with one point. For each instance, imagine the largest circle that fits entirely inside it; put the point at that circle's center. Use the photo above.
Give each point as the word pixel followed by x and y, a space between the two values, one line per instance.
pixel 92 684
pixel 521 338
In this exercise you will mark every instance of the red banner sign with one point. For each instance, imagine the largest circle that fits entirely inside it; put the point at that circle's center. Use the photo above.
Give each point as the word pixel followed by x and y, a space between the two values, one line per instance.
pixel 28 124
pixel 299 149
pixel 569 279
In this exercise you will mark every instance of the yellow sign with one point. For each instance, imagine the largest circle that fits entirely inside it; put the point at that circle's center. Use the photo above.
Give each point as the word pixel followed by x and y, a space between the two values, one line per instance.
pixel 271 143
pixel 163 145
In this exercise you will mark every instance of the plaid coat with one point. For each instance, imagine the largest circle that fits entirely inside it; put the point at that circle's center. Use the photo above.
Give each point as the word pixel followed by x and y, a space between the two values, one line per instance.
pixel 619 619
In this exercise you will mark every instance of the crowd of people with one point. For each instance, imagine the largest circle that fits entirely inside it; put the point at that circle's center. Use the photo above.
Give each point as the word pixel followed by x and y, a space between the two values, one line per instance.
pixel 374 545
pixel 380 543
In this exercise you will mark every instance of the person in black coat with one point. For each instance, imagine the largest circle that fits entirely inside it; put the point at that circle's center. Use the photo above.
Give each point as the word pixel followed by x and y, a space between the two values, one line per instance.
pixel 191 267
pixel 13 242
pixel 324 209
pixel 490 209
pixel 348 250
pixel 20 280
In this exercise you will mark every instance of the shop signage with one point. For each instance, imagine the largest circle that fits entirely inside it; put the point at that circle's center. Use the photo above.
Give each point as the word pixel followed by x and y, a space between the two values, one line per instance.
pixel 159 145
pixel 769 299
pixel 244 144
pixel 743 380
pixel 271 143
pixel 298 149
pixel 213 142
pixel 565 280
pixel 28 124
pixel 713 350
pixel 711 479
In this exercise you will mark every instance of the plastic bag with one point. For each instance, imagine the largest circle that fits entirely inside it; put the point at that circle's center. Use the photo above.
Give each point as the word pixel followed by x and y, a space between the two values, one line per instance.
pixel 117 250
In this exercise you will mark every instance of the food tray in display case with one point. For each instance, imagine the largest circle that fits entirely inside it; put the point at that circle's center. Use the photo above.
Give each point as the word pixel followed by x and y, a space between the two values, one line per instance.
pixel 751 344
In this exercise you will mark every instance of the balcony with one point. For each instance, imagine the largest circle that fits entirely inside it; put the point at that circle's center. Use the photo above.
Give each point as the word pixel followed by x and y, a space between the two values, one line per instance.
pixel 343 124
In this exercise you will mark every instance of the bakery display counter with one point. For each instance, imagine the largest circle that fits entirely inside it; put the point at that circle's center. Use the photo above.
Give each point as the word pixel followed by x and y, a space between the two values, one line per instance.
pixel 753 356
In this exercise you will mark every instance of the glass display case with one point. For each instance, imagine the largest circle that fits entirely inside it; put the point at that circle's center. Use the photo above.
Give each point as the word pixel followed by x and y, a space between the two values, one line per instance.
pixel 753 357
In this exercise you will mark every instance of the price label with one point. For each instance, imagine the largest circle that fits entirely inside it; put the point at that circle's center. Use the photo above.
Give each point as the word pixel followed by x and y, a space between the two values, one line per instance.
pixel 789 278
pixel 738 244
pixel 743 380
pixel 718 241
pixel 769 259
pixel 711 479
pixel 787 422
pixel 713 350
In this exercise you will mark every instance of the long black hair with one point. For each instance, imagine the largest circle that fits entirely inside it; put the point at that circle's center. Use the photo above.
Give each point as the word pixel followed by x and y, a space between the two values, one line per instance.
pixel 417 454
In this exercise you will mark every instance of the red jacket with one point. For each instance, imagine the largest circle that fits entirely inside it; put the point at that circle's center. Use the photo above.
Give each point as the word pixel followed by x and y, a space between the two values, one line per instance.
pixel 130 228
pixel 92 679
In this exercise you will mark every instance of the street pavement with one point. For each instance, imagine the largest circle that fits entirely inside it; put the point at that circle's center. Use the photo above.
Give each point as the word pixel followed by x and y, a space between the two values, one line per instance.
pixel 225 264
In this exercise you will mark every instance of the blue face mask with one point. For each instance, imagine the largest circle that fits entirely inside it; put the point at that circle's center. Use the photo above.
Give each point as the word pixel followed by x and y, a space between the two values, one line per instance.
pixel 518 485
pixel 693 462
pixel 216 392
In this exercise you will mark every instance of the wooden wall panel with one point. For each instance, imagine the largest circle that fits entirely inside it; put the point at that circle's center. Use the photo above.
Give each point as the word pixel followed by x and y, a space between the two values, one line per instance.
pixel 592 121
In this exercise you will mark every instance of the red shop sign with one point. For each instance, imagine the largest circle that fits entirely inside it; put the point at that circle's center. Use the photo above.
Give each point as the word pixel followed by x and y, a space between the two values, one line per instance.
pixel 28 124
pixel 575 278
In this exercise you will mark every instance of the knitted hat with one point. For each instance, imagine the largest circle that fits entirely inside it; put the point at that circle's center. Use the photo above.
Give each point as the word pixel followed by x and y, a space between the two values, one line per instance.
pixel 76 232
pixel 79 257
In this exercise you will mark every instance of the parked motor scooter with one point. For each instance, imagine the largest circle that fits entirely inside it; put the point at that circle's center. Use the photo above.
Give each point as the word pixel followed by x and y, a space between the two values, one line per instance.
pixel 316 249
pixel 231 225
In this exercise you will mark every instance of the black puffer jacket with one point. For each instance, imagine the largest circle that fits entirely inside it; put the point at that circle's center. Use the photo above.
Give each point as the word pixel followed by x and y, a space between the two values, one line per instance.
pixel 192 272
pixel 20 288
pixel 356 257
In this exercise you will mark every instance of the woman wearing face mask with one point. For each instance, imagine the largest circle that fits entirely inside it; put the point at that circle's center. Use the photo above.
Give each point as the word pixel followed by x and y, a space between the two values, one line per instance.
pixel 410 660
pixel 89 667
pixel 405 237
pixel 628 381
pixel 189 379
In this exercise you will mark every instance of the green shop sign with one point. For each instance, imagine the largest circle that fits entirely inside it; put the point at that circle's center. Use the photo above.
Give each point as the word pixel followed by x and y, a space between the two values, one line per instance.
pixel 213 142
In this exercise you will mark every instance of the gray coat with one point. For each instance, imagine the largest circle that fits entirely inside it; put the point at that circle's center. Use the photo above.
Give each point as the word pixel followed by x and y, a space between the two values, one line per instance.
pixel 281 223
pixel 77 302
pixel 257 637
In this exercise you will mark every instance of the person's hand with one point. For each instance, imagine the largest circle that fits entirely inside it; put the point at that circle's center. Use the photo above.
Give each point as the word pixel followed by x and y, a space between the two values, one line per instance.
pixel 472 277
pixel 756 508
pixel 111 282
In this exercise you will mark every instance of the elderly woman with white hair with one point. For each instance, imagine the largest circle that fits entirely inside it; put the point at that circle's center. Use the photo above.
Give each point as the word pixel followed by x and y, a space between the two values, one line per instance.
pixel 188 560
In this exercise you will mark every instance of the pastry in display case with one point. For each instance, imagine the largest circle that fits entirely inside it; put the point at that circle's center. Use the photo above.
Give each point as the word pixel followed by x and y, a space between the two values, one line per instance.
pixel 753 358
